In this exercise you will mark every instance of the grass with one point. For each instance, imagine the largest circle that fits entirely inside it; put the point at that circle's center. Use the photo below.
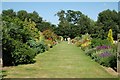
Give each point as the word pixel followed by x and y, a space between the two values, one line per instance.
pixel 62 61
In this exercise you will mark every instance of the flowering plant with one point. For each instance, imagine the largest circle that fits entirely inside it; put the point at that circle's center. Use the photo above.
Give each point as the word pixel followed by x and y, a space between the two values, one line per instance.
pixel 105 54
pixel 103 47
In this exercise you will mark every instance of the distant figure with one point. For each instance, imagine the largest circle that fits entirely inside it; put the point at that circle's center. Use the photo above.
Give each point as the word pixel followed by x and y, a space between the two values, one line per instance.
pixel 68 40
pixel 65 39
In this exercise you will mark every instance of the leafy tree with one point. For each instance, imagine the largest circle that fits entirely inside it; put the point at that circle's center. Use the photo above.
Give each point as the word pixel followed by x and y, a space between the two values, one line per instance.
pixel 108 20
pixel 73 23
pixel 22 14
pixel 8 15
pixel 45 26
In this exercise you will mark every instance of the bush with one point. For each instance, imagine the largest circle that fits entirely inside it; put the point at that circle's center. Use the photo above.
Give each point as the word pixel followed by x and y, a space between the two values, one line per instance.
pixel 90 51
pixel 104 55
pixel 49 43
pixel 109 61
pixel 39 47
pixel 85 41
pixel 23 55
pixel 78 43
pixel 15 52
pixel 99 42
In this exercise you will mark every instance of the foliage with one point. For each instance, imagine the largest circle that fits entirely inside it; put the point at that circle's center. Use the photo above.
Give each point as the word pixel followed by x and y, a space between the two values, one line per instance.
pixel 22 40
pixel 74 23
pixel 104 55
pixel 48 34
pixel 78 43
pixel 49 43
pixel 103 52
pixel 108 19
pixel 90 52
pixel 15 52
pixel 77 38
pixel 99 42
pixel 86 41
pixel 23 55
pixel 51 38
pixel 39 47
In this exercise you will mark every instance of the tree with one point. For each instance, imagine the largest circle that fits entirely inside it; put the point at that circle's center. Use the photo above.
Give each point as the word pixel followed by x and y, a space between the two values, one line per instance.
pixel 109 20
pixel 22 14
pixel 61 15
pixel 73 23
pixel 7 15
pixel 45 26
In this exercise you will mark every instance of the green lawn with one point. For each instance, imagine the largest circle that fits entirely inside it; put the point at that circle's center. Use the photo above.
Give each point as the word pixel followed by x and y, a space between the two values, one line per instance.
pixel 62 61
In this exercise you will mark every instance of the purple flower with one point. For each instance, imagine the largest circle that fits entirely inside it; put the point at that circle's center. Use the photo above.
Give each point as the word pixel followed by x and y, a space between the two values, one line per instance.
pixel 105 54
pixel 102 47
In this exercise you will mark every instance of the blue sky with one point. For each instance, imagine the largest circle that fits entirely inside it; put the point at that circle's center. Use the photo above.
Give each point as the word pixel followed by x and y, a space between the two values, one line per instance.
pixel 47 10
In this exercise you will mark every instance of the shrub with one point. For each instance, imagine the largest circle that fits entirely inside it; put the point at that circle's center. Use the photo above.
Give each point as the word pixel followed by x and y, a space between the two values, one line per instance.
pixel 99 42
pixel 23 55
pixel 78 43
pixel 15 52
pixel 48 34
pixel 105 57
pixel 84 43
pixel 49 43
pixel 108 60
pixel 77 38
pixel 90 51
pixel 39 47
pixel 110 37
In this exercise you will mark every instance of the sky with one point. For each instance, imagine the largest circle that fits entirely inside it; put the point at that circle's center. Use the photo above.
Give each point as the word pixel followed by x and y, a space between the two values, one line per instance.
pixel 47 10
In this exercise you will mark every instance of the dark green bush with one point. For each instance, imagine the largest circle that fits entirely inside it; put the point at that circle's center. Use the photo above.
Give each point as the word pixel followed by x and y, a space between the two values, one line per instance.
pixel 15 52
pixel 99 42
pixel 23 55
pixel 110 61
pixel 39 47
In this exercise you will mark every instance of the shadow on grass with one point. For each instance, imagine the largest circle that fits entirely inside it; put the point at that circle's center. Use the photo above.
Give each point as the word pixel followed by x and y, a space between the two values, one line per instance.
pixel 9 65
pixel 4 73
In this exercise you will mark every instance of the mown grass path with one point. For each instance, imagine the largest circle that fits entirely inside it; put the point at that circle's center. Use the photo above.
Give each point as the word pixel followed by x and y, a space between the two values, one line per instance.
pixel 63 61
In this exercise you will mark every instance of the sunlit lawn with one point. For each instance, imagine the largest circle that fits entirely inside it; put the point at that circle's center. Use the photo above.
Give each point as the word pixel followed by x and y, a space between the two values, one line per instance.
pixel 62 61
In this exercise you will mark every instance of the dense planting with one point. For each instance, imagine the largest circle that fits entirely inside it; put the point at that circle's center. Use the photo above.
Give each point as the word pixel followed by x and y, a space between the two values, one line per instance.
pixel 22 39
pixel 75 24
pixel 102 51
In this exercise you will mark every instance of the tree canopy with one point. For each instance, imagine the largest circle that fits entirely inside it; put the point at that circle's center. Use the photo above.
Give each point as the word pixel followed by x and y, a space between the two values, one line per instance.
pixel 75 23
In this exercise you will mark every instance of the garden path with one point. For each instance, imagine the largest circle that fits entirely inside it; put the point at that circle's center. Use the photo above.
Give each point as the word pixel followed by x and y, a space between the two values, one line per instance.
pixel 62 61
